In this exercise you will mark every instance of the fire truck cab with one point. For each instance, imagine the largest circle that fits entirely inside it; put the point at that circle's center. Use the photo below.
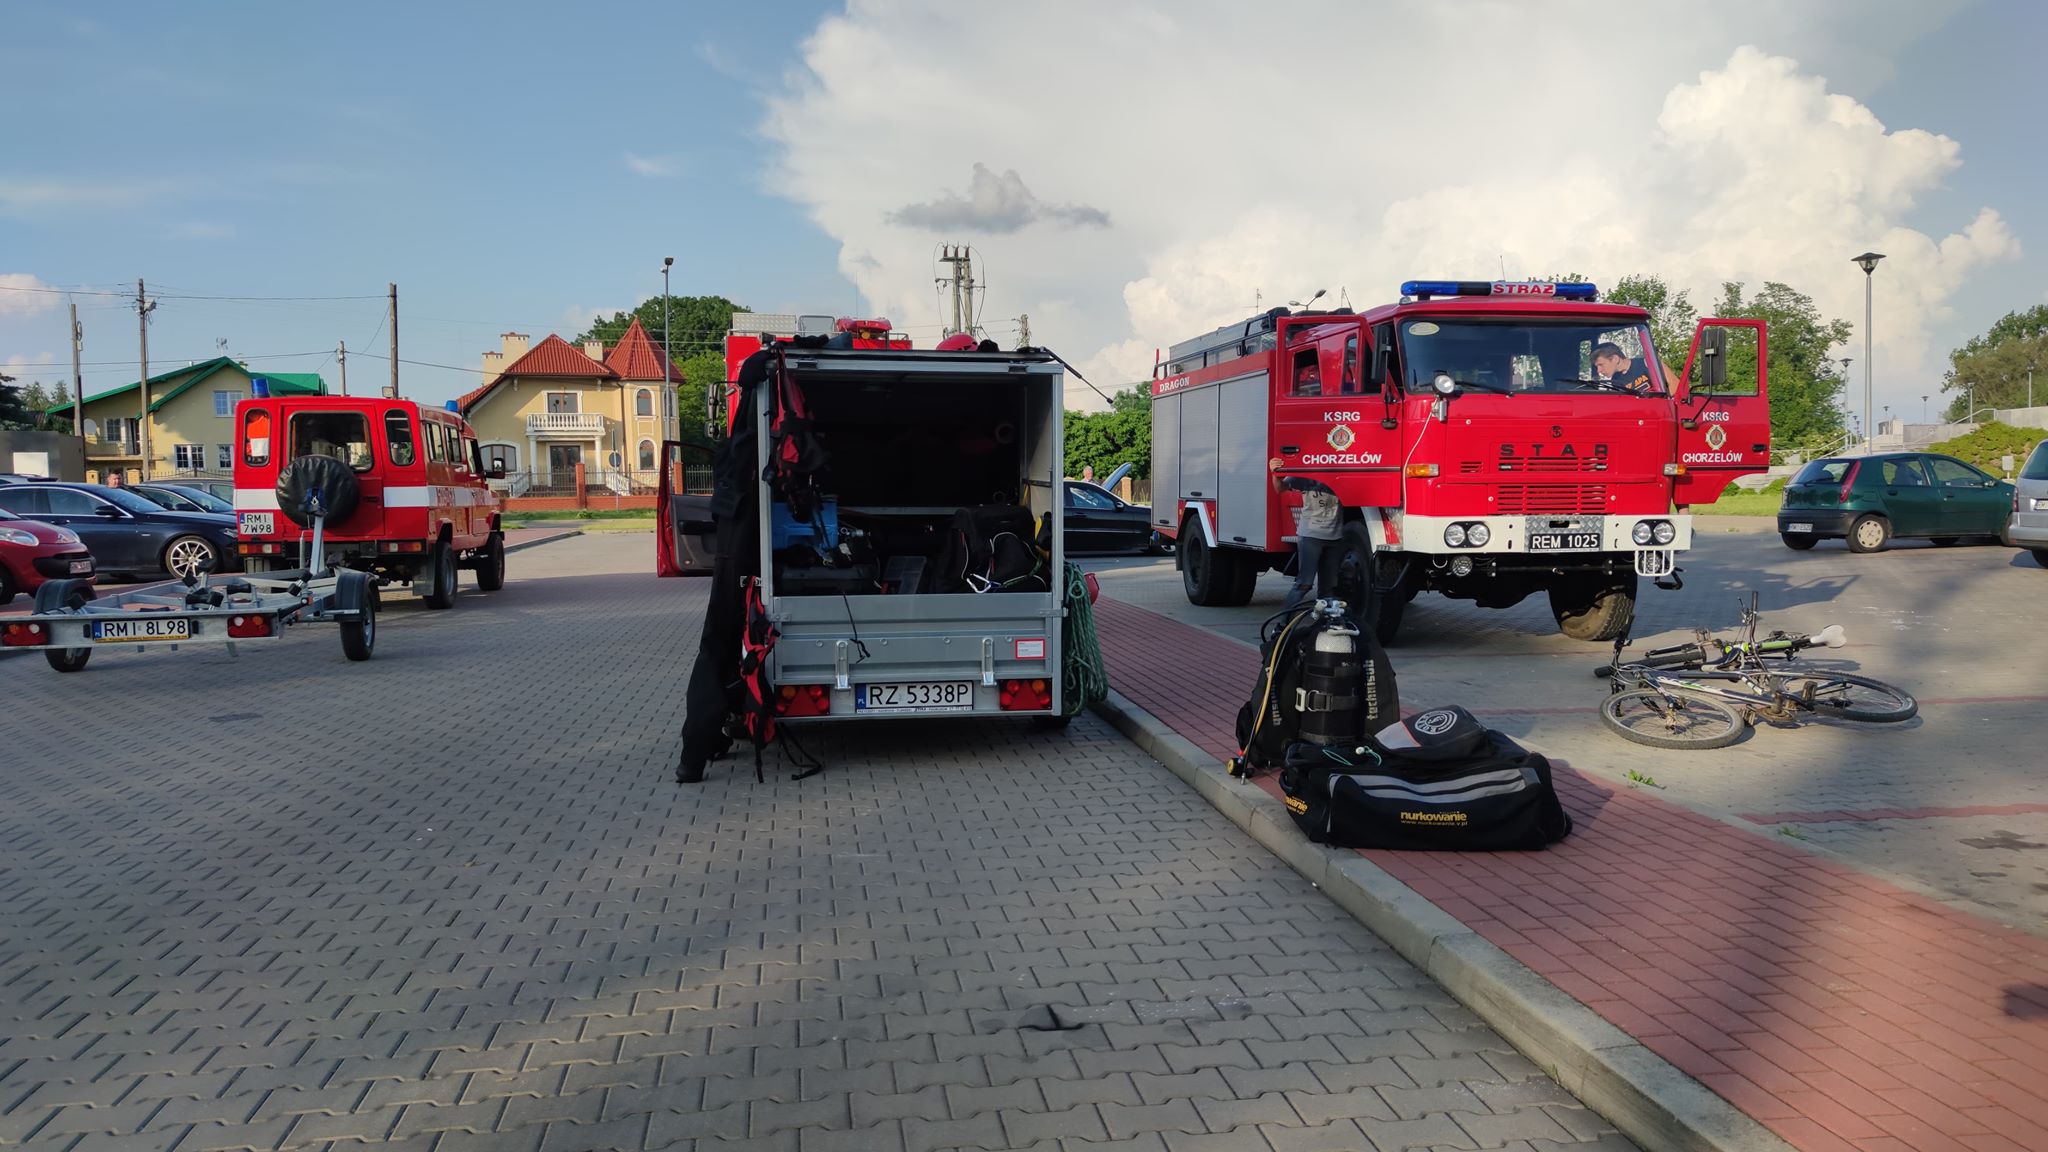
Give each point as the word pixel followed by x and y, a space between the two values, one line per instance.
pixel 1488 440
pixel 422 507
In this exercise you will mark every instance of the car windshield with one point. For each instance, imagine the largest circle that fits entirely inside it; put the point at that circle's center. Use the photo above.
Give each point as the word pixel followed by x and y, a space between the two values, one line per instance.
pixel 342 435
pixel 1522 355
pixel 1823 472
pixel 128 500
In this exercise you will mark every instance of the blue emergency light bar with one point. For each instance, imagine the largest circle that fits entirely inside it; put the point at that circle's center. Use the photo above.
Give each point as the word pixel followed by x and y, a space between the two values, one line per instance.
pixel 1424 289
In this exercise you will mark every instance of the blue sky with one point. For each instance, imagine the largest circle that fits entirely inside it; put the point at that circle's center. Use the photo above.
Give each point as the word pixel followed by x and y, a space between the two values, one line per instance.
pixel 518 166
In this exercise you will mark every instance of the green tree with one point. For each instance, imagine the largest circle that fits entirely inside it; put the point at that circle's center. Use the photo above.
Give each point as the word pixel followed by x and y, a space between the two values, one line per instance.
pixel 1122 435
pixel 14 412
pixel 1994 367
pixel 1672 316
pixel 696 324
pixel 1805 383
pixel 701 374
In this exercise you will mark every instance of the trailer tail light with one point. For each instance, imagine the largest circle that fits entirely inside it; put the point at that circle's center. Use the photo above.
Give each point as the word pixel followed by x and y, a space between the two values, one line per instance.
pixel 1026 696
pixel 1420 471
pixel 1848 482
pixel 803 700
pixel 21 635
pixel 244 627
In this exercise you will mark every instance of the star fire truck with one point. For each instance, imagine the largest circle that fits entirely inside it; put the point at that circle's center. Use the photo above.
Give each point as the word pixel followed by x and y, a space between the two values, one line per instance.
pixel 1480 435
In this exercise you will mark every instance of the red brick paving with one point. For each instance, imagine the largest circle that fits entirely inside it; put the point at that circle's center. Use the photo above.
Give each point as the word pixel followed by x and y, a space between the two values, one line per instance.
pixel 1841 1011
pixel 1865 815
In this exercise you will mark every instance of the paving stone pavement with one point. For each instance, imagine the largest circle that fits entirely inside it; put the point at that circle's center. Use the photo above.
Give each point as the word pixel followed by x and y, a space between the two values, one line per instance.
pixel 449 899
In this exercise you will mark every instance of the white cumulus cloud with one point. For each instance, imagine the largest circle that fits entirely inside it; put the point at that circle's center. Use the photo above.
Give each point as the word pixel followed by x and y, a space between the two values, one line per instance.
pixel 654 166
pixel 22 294
pixel 1370 145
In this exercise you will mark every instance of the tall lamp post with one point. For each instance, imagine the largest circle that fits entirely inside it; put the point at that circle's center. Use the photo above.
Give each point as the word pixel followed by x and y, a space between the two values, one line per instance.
pixel 669 402
pixel 1867 262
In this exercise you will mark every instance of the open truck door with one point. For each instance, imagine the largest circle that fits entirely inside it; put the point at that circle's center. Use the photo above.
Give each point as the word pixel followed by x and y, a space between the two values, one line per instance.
pixel 1724 408
pixel 685 535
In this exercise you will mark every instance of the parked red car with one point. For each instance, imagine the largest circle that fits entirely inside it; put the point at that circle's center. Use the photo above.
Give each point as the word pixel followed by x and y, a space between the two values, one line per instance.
pixel 32 552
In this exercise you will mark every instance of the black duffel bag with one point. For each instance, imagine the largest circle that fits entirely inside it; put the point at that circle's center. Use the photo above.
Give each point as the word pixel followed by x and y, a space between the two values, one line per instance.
pixel 1438 781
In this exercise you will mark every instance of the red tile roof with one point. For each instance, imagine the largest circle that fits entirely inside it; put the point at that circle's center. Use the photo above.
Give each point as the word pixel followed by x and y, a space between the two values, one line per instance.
pixel 555 356
pixel 636 356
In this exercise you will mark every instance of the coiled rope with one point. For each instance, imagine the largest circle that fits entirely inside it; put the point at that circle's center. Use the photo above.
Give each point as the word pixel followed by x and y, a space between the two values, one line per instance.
pixel 1083 681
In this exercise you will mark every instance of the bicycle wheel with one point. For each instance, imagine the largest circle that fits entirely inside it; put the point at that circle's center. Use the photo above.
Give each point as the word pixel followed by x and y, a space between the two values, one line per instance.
pixel 1847 697
pixel 1672 719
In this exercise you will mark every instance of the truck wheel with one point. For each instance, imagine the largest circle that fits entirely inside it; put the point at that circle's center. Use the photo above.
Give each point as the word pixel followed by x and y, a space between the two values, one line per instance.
pixel 1594 607
pixel 1208 576
pixel 441 594
pixel 490 565
pixel 359 637
pixel 1364 580
pixel 1244 573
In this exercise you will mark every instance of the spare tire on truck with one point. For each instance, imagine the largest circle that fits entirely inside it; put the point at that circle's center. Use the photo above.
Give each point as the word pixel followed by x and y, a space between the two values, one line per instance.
pixel 333 479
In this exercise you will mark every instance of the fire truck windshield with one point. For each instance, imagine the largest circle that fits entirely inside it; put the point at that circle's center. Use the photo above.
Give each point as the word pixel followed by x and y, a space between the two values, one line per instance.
pixel 1531 355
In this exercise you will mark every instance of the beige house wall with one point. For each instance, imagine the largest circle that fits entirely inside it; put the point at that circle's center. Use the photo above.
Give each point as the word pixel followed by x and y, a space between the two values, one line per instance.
pixel 186 419
pixel 501 420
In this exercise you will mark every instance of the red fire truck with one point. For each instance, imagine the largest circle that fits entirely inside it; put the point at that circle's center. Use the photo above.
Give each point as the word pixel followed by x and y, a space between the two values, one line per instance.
pixel 751 330
pixel 1484 438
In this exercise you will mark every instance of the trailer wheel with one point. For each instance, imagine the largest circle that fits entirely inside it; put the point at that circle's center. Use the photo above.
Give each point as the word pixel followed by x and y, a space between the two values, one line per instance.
pixel 441 594
pixel 359 636
pixel 63 595
pixel 1594 607
pixel 490 564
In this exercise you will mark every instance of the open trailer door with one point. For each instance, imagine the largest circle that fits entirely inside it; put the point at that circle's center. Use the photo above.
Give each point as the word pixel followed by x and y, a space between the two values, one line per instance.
pixel 1724 408
pixel 685 536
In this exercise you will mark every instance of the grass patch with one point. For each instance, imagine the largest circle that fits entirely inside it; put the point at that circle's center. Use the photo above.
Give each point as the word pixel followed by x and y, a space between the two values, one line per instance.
pixel 1740 502
pixel 586 514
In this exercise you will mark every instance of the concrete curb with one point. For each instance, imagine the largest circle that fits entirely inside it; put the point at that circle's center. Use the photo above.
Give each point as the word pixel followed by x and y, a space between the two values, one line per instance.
pixel 1652 1102
pixel 525 544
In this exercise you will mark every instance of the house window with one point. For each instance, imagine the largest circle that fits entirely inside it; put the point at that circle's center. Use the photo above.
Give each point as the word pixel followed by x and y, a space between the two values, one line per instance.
pixel 224 403
pixel 223 457
pixel 647 455
pixel 643 403
pixel 562 402
pixel 502 456
pixel 189 456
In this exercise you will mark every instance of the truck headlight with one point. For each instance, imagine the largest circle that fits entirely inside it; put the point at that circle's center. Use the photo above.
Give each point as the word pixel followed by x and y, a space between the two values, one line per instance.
pixel 1455 535
pixel 1477 535
pixel 1641 532
pixel 1665 533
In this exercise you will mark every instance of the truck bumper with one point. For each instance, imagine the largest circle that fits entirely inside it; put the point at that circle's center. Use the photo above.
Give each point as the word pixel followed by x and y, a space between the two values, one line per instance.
pixel 1512 536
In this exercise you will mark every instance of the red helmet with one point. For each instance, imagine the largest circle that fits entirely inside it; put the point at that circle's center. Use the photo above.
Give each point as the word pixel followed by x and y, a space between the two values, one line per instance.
pixel 958 342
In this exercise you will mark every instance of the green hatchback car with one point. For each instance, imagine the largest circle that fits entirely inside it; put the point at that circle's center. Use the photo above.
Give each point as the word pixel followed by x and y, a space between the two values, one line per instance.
pixel 1867 500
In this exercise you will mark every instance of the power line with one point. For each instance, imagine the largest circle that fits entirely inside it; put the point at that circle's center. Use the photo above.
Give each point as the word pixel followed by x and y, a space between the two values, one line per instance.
pixel 174 295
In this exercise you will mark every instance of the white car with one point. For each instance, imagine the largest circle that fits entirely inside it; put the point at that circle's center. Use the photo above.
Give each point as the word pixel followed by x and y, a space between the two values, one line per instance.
pixel 2028 527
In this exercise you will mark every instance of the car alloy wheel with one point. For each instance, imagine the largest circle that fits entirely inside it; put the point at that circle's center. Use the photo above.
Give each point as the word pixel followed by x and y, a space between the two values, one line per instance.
pixel 188 556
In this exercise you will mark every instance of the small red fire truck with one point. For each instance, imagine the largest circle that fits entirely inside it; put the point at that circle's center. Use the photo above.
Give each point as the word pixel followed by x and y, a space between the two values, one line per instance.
pixel 418 508
pixel 1488 440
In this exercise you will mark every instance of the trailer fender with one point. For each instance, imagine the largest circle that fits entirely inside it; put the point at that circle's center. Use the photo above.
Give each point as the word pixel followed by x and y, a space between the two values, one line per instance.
pixel 353 592
pixel 62 595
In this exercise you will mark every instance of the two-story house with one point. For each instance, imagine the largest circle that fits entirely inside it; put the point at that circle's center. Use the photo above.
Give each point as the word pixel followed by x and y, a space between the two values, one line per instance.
pixel 545 409
pixel 191 420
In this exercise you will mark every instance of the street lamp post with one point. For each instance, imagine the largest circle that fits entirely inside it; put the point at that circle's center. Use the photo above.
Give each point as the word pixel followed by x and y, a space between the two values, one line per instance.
pixel 669 401
pixel 1867 262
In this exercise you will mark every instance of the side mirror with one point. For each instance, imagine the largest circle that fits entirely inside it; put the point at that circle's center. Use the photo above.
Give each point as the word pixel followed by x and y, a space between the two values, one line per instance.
pixel 1381 359
pixel 1712 371
pixel 496 472
pixel 108 511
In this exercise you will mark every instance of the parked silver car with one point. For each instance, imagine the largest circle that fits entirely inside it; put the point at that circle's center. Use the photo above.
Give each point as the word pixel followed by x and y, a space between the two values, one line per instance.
pixel 2028 527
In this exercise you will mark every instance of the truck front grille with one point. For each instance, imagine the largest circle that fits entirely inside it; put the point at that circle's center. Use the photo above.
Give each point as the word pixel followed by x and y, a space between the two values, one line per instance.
pixel 1552 499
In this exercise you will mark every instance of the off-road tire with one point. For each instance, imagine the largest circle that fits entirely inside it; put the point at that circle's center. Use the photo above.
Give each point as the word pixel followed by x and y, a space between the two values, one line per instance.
pixel 1869 533
pixel 1596 608
pixel 441 592
pixel 1799 541
pixel 1206 582
pixel 490 564
pixel 1365 584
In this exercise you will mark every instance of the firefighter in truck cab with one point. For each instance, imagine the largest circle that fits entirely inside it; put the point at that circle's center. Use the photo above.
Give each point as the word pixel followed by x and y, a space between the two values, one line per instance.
pixel 1484 440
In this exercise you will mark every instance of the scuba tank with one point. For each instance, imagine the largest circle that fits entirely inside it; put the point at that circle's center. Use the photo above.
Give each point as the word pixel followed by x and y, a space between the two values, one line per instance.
pixel 1326 698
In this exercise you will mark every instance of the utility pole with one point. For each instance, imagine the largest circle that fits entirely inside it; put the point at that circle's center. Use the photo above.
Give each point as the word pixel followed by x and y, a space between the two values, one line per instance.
pixel 341 354
pixel 1024 330
pixel 77 380
pixel 961 283
pixel 394 341
pixel 143 307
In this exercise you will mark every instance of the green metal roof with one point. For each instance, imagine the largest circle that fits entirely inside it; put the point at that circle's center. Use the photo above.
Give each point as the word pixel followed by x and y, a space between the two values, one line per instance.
pixel 281 383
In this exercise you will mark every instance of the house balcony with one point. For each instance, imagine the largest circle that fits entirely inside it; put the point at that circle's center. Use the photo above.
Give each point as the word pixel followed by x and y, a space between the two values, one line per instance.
pixel 98 449
pixel 581 425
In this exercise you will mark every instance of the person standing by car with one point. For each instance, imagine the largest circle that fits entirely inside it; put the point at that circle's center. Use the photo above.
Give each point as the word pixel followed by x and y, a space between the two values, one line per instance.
pixel 1320 524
